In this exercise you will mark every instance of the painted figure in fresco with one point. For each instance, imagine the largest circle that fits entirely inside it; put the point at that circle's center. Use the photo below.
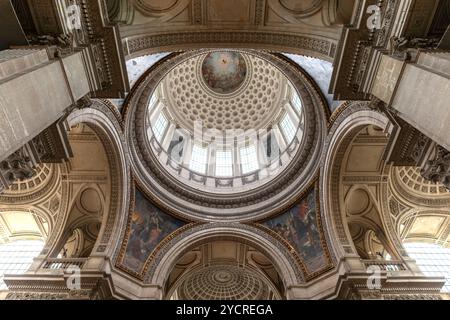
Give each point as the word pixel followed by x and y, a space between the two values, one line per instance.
pixel 134 243
pixel 306 224
pixel 224 72
pixel 299 227
pixel 149 226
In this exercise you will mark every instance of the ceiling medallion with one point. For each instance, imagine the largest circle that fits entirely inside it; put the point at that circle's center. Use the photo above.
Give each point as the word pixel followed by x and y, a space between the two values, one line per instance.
pixel 224 72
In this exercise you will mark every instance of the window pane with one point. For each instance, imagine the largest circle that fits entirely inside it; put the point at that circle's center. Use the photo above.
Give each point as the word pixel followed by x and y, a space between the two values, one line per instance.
pixel 152 102
pixel 16 257
pixel 288 128
pixel 224 163
pixel 199 159
pixel 432 259
pixel 249 159
pixel 160 127
pixel 296 102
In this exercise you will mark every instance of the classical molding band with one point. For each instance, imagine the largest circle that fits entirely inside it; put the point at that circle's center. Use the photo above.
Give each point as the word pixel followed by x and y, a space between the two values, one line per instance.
pixel 316 47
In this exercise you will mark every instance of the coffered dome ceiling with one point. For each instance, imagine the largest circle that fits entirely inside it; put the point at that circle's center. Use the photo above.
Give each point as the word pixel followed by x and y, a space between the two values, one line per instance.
pixel 223 282
pixel 224 90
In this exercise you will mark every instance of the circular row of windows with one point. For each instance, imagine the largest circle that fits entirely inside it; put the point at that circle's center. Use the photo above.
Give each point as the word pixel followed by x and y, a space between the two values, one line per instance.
pixel 230 160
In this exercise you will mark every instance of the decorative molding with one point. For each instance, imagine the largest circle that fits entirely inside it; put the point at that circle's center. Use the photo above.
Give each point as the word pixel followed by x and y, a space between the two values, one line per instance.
pixel 319 48
pixel 437 169
pixel 19 166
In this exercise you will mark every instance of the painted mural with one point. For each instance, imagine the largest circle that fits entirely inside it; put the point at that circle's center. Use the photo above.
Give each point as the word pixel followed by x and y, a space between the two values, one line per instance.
pixel 149 226
pixel 299 227
pixel 224 72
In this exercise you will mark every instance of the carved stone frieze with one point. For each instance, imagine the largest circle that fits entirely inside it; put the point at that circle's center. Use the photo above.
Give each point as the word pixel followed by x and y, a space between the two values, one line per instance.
pixel 18 166
pixel 414 296
pixel 437 169
pixel 405 48
pixel 50 146
pixel 67 26
pixel 296 43
pixel 407 145
pixel 70 295
pixel 361 48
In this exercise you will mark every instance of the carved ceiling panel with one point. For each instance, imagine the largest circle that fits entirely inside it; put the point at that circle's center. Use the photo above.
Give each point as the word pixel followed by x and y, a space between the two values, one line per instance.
pixel 222 94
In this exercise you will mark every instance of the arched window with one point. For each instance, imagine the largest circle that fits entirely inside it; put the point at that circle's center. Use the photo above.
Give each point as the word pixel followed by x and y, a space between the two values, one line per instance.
pixel 199 159
pixel 432 259
pixel 296 102
pixel 224 163
pixel 249 159
pixel 152 102
pixel 288 128
pixel 16 257
pixel 160 127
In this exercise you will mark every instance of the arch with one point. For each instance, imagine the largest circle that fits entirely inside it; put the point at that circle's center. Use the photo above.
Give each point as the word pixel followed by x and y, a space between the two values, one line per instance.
pixel 220 256
pixel 316 47
pixel 104 120
pixel 351 118
pixel 78 220
pixel 167 257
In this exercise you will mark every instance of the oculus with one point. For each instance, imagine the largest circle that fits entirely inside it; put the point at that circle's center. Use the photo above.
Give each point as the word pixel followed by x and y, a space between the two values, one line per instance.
pixel 224 71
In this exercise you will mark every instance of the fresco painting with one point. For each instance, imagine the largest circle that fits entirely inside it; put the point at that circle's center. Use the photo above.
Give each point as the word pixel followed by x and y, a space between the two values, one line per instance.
pixel 149 226
pixel 224 72
pixel 299 227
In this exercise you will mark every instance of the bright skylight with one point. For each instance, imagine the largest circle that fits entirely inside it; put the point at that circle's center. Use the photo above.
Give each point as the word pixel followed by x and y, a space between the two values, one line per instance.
pixel 199 159
pixel 160 127
pixel 16 257
pixel 137 66
pixel 152 102
pixel 432 259
pixel 224 163
pixel 249 159
pixel 297 103
pixel 288 128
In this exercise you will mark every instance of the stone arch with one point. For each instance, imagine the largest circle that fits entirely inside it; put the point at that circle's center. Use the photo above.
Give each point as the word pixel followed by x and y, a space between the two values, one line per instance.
pixel 165 260
pixel 314 47
pixel 80 220
pixel 364 212
pixel 106 123
pixel 351 119
pixel 420 208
